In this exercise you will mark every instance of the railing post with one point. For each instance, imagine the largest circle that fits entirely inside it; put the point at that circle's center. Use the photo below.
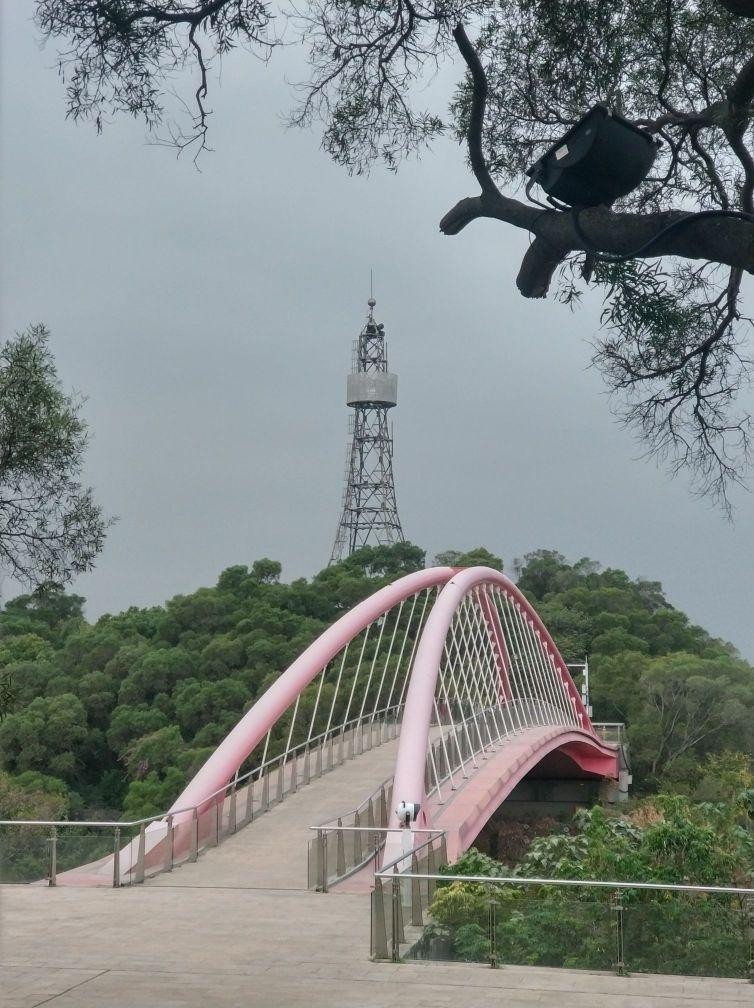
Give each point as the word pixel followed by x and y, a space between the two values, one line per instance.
pixel 370 815
pixel 319 759
pixel 617 906
pixel 395 947
pixel 376 845
pixel 340 852
pixel 281 788
pixel 306 778
pixel 167 864
pixel 249 801
pixel 217 821
pixel 356 839
pixel 493 941
pixel 53 873
pixel 322 856
pixel 379 931
pixel 294 775
pixel 748 903
pixel 431 870
pixel 140 854
pixel 232 809
pixel 266 792
pixel 194 841
pixel 383 808
pixel 116 858
pixel 416 894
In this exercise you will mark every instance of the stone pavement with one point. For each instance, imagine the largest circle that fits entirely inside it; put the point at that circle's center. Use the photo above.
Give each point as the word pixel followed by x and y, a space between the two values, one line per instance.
pixel 239 930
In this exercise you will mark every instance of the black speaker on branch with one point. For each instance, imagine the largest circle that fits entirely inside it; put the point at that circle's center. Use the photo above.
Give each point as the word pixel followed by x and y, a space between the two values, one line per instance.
pixel 601 158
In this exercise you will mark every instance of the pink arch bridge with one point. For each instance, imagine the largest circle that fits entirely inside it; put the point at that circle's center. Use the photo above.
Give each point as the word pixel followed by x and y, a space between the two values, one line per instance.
pixel 452 667
pixel 455 662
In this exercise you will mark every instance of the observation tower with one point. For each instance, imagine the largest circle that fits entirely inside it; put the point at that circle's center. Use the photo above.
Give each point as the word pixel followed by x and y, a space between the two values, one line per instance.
pixel 369 515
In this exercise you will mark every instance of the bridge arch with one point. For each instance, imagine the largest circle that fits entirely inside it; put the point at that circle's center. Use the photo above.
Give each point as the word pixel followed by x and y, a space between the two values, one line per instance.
pixel 545 710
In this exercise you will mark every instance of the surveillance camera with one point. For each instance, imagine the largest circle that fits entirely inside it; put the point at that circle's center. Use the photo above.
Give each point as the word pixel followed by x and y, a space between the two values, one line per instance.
pixel 408 812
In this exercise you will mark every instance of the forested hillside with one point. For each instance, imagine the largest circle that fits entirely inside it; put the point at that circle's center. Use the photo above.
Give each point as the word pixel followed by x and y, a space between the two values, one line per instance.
pixel 114 716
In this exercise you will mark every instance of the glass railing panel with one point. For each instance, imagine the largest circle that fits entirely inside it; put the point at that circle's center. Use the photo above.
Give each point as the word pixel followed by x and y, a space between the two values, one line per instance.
pixel 512 927
pixel 24 853
pixel 556 928
pixel 689 934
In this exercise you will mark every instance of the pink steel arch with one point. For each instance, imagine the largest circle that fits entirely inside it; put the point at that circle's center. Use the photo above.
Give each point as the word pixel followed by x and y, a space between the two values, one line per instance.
pixel 251 729
pixel 408 783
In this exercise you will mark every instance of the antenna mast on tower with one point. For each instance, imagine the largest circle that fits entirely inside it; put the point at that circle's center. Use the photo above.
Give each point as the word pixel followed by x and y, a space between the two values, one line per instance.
pixel 370 514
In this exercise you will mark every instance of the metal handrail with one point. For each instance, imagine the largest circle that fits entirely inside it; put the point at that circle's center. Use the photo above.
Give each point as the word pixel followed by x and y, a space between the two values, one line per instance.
pixel 589 883
pixel 362 805
pixel 371 829
pixel 406 855
pixel 233 783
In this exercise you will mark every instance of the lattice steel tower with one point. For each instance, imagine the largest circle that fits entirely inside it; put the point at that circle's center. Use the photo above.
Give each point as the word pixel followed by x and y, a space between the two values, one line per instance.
pixel 370 514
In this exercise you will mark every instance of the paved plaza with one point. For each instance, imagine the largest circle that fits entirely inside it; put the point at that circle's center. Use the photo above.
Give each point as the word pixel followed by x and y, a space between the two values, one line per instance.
pixel 239 929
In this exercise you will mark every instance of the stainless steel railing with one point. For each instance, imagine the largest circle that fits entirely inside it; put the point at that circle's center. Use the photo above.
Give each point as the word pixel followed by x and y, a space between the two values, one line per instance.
pixel 141 848
pixel 621 930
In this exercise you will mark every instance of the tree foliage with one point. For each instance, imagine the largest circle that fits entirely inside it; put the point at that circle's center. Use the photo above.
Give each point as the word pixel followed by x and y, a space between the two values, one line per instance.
pixel 50 526
pixel 665 839
pixel 668 258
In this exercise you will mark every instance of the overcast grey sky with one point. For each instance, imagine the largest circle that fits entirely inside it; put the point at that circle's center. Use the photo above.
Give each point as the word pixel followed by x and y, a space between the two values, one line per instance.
pixel 209 318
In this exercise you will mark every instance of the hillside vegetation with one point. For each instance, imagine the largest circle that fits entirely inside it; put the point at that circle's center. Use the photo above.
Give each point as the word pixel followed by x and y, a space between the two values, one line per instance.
pixel 114 716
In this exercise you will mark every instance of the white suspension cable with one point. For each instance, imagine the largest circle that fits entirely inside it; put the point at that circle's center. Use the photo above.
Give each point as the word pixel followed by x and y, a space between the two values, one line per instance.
pixel 547 715
pixel 488 668
pixel 517 662
pixel 387 661
pixel 322 675
pixel 337 687
pixel 516 714
pixel 452 670
pixel 443 742
pixel 381 620
pixel 481 646
pixel 442 680
pixel 290 730
pixel 403 647
pixel 536 687
pixel 414 646
pixel 356 676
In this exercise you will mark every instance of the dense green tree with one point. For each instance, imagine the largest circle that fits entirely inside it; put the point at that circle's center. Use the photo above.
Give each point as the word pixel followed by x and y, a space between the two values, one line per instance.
pixel 667 839
pixel 178 677
pixel 477 557
pixel 47 735
pixel 50 527
pixel 545 571
pixel 691 706
pixel 265 571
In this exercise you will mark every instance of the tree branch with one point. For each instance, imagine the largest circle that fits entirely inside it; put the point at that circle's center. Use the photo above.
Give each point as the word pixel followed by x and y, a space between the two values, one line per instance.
pixel 727 240
pixel 476 115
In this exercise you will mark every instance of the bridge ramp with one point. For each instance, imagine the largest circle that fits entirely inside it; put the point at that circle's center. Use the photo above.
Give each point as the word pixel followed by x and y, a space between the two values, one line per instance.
pixel 271 852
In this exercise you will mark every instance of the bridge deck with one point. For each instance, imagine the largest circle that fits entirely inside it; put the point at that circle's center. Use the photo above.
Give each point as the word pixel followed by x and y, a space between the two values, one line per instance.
pixel 238 928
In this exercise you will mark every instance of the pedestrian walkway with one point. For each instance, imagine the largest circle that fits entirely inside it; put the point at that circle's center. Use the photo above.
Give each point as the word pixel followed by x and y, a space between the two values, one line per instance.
pixel 239 930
